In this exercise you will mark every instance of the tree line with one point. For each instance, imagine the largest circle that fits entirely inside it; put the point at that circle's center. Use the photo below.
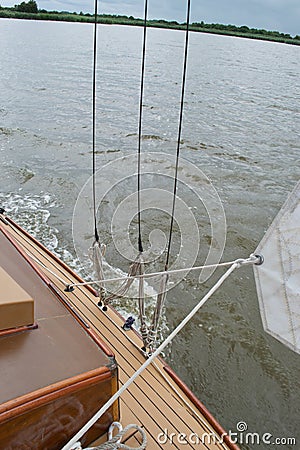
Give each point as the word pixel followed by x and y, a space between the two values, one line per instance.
pixel 30 10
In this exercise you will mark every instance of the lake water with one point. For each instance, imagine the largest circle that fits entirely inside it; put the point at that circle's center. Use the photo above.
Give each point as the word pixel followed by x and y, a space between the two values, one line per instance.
pixel 241 130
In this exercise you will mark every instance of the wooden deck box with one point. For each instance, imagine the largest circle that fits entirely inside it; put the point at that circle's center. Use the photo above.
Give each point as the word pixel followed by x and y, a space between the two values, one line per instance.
pixel 16 306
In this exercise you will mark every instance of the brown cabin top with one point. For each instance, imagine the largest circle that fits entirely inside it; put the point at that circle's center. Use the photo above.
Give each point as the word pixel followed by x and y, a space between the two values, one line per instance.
pixel 60 348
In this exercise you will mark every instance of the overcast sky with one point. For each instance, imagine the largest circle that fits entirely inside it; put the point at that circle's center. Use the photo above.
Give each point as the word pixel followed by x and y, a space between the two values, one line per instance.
pixel 278 15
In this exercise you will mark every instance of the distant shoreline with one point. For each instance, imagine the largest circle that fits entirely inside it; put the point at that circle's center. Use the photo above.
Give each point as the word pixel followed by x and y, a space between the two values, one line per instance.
pixel 225 30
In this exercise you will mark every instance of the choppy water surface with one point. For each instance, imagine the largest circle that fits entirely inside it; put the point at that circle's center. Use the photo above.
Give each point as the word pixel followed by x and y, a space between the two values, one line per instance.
pixel 241 128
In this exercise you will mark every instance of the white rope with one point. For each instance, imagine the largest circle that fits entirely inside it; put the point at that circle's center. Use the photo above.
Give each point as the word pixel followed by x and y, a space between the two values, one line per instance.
pixel 253 259
pixel 110 402
pixel 47 268
pixel 160 301
pixel 134 269
pixel 115 443
pixel 96 252
pixel 142 313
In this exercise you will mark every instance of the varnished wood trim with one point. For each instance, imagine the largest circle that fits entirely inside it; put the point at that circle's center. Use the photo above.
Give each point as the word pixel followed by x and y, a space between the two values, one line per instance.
pixel 115 387
pixel 101 343
pixel 50 393
pixel 10 331
pixel 63 299
pixel 25 256
pixel 49 253
pixel 212 421
pixel 96 338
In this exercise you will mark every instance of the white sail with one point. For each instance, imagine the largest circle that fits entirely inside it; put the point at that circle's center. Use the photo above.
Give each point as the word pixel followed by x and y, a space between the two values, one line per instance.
pixel 278 278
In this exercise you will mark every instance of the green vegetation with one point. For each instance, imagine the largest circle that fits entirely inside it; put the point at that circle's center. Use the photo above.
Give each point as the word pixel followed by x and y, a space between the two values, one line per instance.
pixel 30 10
pixel 29 7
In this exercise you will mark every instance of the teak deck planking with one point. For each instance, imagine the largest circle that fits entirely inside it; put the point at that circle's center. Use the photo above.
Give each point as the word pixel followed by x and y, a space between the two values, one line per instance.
pixel 149 401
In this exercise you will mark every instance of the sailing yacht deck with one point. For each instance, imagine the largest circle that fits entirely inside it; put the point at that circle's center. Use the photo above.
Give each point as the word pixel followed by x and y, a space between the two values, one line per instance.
pixel 157 401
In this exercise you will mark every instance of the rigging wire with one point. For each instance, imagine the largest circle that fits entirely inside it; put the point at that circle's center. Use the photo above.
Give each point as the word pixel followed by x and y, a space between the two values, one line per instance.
pixel 161 297
pixel 140 243
pixel 94 121
pixel 253 259
pixel 179 133
pixel 137 266
pixel 96 251
pixel 151 358
pixel 143 325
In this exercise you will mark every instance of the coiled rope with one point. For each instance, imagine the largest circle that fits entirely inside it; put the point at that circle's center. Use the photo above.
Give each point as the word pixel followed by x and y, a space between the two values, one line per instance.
pixel 115 442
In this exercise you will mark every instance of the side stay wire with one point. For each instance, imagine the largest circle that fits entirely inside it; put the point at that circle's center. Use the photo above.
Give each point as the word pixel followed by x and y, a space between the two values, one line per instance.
pixel 94 120
pixel 184 72
pixel 140 242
